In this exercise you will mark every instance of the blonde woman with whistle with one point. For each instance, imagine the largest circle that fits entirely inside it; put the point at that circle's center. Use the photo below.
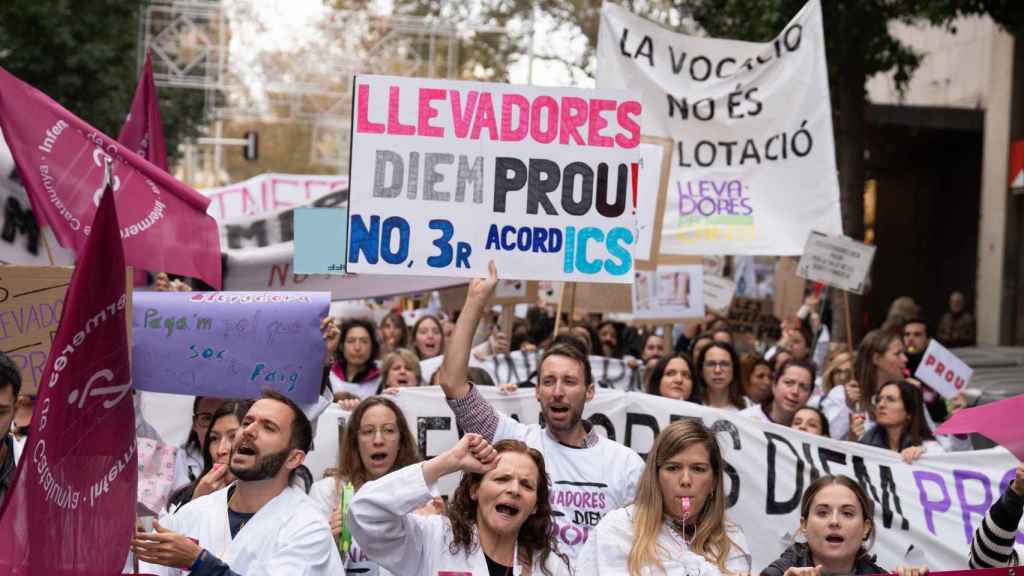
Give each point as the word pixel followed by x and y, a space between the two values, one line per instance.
pixel 677 524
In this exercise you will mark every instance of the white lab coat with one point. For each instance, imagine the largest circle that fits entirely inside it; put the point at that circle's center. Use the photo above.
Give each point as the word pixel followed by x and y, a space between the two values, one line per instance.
pixel 288 535
pixel 607 550
pixel 381 518
pixel 324 494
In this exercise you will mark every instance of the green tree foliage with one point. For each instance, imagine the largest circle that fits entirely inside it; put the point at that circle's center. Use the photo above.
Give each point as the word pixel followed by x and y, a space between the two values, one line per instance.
pixel 84 56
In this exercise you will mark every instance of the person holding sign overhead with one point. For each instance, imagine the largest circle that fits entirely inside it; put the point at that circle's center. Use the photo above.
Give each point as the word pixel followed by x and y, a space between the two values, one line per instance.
pixel 591 475
pixel 677 524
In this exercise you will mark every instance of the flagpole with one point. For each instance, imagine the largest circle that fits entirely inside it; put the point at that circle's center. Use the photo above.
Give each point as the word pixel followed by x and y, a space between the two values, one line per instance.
pixel 46 244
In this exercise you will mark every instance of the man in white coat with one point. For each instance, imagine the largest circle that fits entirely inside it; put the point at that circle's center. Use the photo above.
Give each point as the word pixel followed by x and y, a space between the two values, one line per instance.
pixel 261 524
pixel 590 474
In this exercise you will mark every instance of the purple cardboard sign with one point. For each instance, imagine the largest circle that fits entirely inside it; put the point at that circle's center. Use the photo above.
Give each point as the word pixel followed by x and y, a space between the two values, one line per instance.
pixel 229 344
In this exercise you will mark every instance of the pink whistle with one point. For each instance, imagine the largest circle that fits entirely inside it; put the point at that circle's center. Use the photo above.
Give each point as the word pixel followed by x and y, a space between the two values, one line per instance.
pixel 684 501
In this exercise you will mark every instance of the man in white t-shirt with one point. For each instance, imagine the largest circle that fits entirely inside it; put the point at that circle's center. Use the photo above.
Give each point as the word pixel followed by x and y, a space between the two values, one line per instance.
pixel 590 474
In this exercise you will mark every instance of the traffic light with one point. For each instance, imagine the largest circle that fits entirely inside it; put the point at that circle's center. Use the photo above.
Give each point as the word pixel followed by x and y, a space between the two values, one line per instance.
pixel 251 151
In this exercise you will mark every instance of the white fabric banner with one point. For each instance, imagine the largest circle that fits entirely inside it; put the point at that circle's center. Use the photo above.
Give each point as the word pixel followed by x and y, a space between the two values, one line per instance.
pixel 269 193
pixel 753 166
pixel 933 505
pixel 516 367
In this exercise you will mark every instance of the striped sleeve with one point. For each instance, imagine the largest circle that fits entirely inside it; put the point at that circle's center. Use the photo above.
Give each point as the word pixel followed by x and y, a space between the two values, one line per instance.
pixel 993 540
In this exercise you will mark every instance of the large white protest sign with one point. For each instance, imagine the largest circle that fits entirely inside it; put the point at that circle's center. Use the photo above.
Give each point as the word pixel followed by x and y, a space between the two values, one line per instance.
pixel 268 193
pixel 836 261
pixel 753 166
pixel 933 505
pixel 447 176
pixel 942 370
pixel 648 193
pixel 669 293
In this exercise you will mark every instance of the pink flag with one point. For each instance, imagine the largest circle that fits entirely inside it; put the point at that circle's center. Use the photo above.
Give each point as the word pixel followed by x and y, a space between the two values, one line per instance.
pixel 164 225
pixel 70 509
pixel 143 131
pixel 998 421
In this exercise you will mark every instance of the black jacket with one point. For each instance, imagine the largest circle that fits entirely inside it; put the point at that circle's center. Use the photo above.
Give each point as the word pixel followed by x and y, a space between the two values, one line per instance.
pixel 799 556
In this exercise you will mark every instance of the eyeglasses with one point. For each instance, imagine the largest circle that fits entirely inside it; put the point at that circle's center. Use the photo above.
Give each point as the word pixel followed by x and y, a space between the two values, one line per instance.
pixel 203 419
pixel 370 432
pixel 713 364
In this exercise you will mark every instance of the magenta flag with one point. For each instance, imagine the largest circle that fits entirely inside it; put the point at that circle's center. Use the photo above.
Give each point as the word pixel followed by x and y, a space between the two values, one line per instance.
pixel 143 131
pixel 164 225
pixel 998 421
pixel 71 507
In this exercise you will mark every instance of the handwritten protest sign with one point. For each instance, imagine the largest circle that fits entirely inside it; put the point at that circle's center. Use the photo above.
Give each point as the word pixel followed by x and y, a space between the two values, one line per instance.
pixel 449 175
pixel 229 344
pixel 836 261
pixel 754 316
pixel 31 300
pixel 669 293
pixel 718 292
pixel 942 370
pixel 753 166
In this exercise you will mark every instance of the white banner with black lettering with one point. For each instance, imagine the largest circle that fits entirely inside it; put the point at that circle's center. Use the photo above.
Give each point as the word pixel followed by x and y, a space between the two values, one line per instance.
pixel 933 505
pixel 517 367
pixel 753 165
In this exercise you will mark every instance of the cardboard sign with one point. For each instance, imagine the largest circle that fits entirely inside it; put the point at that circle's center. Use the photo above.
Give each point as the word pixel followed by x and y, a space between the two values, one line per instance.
pixel 754 316
pixel 753 164
pixel 320 236
pixel 942 370
pixel 448 175
pixel 31 301
pixel 836 261
pixel 515 292
pixel 718 292
pixel 789 288
pixel 229 344
pixel 669 293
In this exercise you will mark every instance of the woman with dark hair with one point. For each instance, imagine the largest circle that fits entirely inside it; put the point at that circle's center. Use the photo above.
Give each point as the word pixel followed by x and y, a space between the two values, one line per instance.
pixel 677 523
pixel 428 337
pixel 811 420
pixel 836 522
pixel 394 333
pixel 220 434
pixel 756 373
pixel 718 378
pixel 880 359
pixel 652 350
pixel 672 377
pixel 498 521
pixel 790 392
pixel 376 441
pixel 355 362
pixel 191 453
pixel 900 423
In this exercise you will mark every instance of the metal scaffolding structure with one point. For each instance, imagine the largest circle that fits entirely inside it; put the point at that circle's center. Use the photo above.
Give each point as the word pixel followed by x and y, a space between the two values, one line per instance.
pixel 190 41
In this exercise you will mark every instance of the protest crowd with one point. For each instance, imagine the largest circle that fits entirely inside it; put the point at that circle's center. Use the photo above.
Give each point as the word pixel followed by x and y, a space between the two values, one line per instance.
pixel 172 419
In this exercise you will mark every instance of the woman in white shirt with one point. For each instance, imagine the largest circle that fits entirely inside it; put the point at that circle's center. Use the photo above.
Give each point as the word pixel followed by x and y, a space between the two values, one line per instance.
pixel 498 521
pixel 376 440
pixel 677 524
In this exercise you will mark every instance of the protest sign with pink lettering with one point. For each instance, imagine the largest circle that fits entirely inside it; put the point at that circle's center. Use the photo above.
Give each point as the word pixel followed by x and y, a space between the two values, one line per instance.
pixel 447 176
pixel 229 344
pixel 942 370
